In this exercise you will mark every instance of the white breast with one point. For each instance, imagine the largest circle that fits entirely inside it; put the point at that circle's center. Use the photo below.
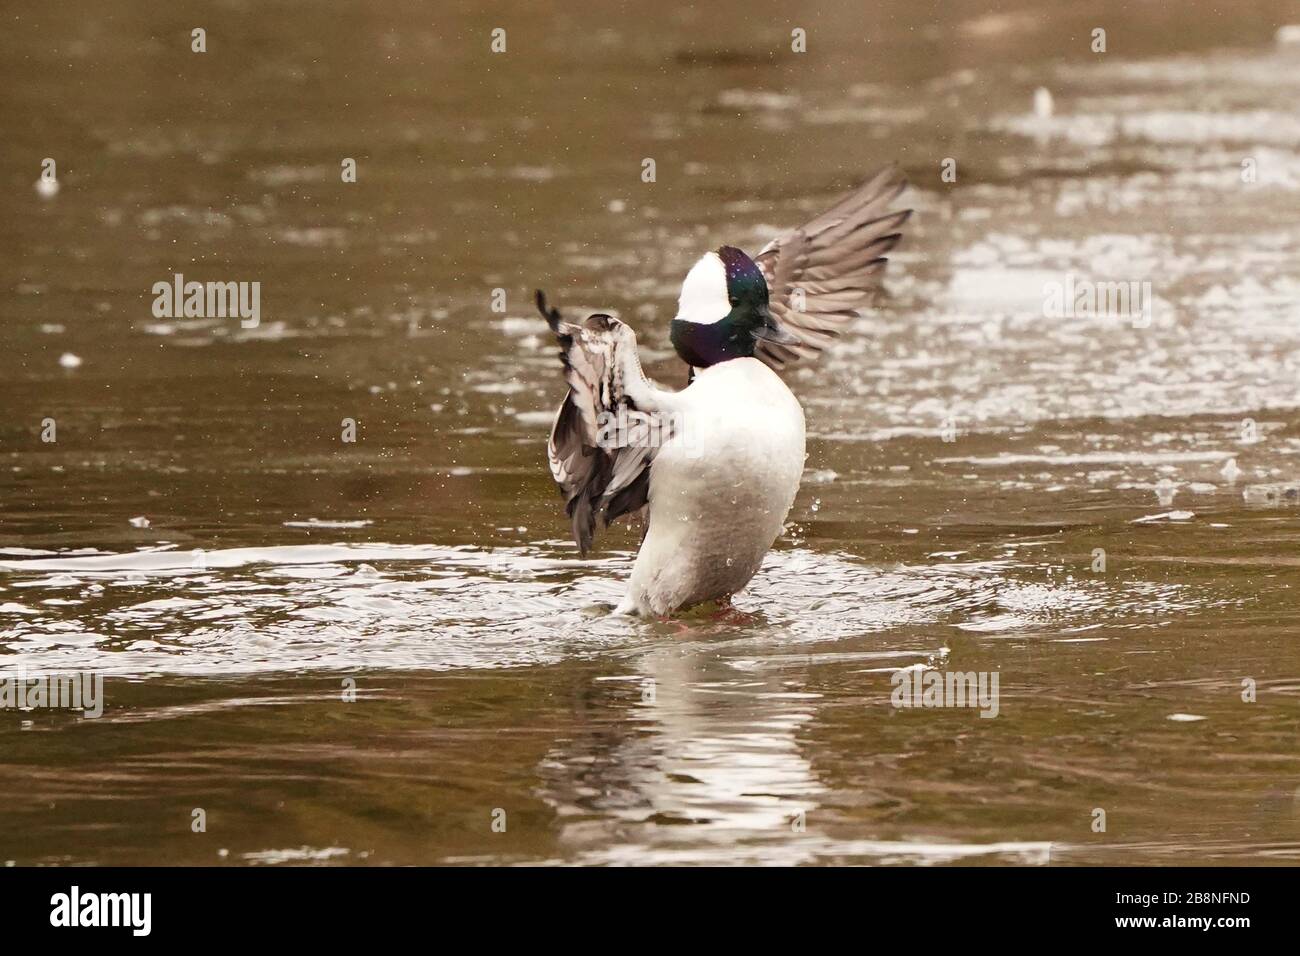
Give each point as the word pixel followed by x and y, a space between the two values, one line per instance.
pixel 720 489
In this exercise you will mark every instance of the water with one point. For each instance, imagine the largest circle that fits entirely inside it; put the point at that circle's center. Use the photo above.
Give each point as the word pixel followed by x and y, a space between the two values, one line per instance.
pixel 200 535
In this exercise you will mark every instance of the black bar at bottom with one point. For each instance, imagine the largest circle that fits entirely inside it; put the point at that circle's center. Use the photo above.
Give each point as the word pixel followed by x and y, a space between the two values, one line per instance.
pixel 333 905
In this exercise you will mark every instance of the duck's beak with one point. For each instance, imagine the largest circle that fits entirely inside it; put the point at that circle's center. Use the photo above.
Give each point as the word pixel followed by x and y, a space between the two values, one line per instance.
pixel 772 331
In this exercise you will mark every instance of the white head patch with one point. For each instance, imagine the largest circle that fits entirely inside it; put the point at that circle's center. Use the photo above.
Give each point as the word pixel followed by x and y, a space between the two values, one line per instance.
pixel 704 298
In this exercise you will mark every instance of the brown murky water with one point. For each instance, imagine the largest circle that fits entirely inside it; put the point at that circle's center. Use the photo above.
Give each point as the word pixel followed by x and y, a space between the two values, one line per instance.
pixel 969 453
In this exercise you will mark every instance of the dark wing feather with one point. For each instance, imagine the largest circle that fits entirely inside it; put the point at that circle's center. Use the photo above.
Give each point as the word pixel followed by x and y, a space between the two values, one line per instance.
pixel 601 445
pixel 820 274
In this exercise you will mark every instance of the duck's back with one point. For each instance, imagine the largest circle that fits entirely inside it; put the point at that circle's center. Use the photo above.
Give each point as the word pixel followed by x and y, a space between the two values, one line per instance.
pixel 720 488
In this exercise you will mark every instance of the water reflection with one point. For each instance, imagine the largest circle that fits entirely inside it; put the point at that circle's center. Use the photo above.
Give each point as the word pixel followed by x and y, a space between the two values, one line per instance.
pixel 708 758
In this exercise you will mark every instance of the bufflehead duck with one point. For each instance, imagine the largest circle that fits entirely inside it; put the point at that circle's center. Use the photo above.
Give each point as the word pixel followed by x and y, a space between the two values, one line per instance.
pixel 713 469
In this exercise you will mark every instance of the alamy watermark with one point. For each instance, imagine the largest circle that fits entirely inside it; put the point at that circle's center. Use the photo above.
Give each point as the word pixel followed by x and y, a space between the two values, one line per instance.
pixel 921 687
pixel 78 690
pixel 208 300
pixel 1129 299
pixel 74 908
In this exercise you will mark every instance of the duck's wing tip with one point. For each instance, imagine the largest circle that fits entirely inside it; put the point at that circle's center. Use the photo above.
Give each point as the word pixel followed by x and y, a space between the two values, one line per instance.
pixel 601 446
pixel 820 274
pixel 551 315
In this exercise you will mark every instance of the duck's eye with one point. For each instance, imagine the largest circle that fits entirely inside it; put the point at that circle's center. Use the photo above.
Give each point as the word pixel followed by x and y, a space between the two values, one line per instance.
pixel 733 300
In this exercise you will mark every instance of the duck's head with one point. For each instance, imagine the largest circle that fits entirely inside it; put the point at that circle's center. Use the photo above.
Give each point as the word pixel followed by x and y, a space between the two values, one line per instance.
pixel 723 312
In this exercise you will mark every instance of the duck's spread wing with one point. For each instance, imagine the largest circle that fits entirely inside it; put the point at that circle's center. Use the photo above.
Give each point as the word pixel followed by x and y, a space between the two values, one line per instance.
pixel 601 445
pixel 820 274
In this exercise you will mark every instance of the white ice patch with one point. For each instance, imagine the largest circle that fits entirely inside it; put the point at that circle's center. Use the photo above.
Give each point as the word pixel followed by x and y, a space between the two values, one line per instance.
pixel 704 298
